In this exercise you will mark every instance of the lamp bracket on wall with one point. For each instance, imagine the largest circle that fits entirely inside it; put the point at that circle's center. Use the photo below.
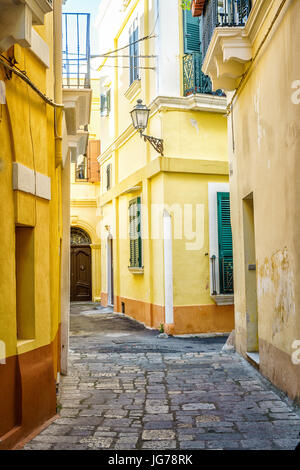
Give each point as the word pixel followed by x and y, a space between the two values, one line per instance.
pixel 158 144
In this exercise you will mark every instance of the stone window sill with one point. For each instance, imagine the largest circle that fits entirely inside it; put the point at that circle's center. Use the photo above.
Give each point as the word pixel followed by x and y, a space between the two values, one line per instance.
pixel 223 299
pixel 136 270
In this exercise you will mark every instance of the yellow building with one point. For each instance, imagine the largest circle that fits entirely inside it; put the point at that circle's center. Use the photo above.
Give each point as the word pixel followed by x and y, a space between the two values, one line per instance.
pixel 255 62
pixel 85 232
pixel 35 193
pixel 161 259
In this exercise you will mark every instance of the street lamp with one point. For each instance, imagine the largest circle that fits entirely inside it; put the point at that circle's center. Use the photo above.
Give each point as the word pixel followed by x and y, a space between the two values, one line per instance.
pixel 140 116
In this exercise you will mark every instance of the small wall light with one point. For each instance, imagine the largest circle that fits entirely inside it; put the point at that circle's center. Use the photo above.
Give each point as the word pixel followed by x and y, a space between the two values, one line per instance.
pixel 140 117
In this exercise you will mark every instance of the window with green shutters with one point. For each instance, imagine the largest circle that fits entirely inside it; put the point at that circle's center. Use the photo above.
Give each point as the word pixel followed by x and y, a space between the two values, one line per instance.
pixel 191 31
pixel 225 244
pixel 133 52
pixel 194 80
pixel 135 233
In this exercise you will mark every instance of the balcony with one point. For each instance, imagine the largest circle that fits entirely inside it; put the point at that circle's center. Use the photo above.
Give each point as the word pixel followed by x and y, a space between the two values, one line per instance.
pixel 194 80
pixel 224 13
pixel 77 93
pixel 17 18
pixel 76 50
pixel 225 45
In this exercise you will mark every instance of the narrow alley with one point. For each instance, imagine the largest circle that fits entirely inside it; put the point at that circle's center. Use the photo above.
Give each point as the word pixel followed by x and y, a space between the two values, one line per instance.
pixel 127 388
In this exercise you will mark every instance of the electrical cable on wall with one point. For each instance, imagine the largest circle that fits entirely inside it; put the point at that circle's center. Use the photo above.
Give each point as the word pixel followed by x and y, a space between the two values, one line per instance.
pixel 123 47
pixel 124 67
pixel 125 56
pixel 6 63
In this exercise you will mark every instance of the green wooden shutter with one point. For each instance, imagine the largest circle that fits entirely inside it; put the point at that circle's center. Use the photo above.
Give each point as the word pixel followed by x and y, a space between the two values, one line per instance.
pixel 135 233
pixel 225 244
pixel 191 32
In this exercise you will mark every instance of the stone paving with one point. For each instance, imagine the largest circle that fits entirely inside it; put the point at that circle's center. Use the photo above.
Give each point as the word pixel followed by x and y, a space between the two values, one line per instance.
pixel 128 389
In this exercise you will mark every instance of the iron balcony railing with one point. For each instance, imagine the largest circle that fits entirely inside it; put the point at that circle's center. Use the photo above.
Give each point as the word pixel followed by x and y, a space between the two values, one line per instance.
pixel 223 13
pixel 194 80
pixel 225 273
pixel 76 50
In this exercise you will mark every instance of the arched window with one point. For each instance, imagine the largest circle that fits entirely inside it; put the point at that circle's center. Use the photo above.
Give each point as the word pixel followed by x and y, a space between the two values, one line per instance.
pixel 79 237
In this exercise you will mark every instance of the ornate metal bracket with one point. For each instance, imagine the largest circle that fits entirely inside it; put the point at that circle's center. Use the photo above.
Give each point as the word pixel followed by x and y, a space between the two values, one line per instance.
pixel 158 144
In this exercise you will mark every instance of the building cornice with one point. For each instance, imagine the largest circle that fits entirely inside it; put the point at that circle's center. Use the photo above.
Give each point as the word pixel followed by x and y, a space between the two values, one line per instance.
pixel 165 165
pixel 83 203
pixel 257 17
pixel 199 102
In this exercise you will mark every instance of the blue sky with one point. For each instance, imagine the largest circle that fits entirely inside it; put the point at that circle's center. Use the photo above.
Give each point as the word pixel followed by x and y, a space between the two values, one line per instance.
pixel 87 6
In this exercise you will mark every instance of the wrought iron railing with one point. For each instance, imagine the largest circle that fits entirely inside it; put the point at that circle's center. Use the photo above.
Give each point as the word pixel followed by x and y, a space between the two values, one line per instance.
pixel 194 80
pixel 223 13
pixel 225 273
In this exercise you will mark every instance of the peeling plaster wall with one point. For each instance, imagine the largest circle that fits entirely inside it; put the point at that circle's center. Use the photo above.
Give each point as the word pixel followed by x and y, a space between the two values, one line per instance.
pixel 264 141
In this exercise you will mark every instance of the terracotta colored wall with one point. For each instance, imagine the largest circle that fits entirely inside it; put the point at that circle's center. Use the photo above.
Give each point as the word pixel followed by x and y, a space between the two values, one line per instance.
pixel 93 165
pixel 203 319
pixel 27 394
pixel 187 319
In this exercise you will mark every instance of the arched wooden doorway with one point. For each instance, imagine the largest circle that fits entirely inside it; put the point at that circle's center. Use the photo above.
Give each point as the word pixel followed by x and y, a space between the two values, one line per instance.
pixel 81 266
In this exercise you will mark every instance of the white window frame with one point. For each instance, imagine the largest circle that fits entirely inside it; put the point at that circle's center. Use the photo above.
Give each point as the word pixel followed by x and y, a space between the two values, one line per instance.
pixel 213 190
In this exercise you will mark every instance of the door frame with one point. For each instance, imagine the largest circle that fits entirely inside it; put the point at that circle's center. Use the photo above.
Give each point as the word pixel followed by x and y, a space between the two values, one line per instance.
pixel 110 271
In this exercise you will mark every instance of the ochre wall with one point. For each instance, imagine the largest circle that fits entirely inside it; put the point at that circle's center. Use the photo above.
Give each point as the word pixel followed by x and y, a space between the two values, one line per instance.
pixel 266 163
pixel 27 392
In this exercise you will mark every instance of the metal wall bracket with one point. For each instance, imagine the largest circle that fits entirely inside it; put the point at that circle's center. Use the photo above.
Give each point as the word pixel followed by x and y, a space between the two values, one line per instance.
pixel 158 144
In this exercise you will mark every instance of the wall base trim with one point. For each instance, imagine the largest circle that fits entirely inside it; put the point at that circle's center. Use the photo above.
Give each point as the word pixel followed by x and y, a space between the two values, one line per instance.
pixel 188 319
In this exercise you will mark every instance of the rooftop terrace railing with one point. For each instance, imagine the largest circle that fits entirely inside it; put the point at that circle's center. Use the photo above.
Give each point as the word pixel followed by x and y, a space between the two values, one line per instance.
pixel 76 50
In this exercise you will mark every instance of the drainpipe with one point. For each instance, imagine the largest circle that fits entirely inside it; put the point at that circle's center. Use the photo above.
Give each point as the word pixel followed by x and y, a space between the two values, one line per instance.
pixel 57 60
pixel 168 273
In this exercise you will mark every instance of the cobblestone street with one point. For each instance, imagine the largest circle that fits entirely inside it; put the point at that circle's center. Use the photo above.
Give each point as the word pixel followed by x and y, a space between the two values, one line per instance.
pixel 129 389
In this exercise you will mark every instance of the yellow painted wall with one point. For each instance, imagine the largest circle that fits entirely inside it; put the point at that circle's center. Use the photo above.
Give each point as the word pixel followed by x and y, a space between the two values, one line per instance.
pixel 266 162
pixel 94 126
pixel 27 137
pixel 195 153
pixel 205 135
pixel 84 199
pixel 191 261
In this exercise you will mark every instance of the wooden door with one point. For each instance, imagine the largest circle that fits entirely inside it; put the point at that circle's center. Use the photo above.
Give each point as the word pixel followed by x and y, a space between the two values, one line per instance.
pixel 81 284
